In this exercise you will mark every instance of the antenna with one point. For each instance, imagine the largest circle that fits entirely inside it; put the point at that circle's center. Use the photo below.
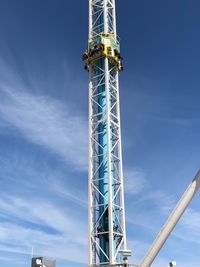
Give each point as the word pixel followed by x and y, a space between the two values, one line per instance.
pixel 32 248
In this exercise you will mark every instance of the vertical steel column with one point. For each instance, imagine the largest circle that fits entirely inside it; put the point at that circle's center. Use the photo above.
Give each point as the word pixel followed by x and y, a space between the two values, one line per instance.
pixel 121 166
pixel 109 163
pixel 90 194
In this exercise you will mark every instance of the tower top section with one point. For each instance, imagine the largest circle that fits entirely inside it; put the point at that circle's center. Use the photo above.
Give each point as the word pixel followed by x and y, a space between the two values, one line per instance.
pixel 103 40
pixel 102 17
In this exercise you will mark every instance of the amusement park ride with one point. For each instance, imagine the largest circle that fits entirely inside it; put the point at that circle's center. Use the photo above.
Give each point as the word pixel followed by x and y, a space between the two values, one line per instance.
pixel 106 216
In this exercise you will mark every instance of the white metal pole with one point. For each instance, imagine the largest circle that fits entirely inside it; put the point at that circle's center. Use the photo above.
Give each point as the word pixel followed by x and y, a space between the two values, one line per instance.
pixel 110 197
pixel 32 252
pixel 114 20
pixel 110 204
pixel 90 260
pixel 105 16
pixel 121 163
pixel 90 18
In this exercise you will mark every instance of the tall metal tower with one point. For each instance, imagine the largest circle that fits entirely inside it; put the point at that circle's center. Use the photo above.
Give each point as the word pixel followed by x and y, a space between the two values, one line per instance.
pixel 107 233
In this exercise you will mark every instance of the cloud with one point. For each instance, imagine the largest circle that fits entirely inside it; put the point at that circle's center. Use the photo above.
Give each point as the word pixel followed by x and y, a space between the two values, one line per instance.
pixel 21 175
pixel 29 225
pixel 189 227
pixel 138 249
pixel 46 122
pixel 191 219
pixel 47 220
pixel 135 181
pixel 75 195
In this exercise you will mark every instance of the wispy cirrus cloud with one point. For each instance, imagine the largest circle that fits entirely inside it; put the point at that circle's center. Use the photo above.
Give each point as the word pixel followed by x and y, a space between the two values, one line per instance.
pixel 189 227
pixel 135 181
pixel 47 227
pixel 45 217
pixel 46 122
pixel 25 175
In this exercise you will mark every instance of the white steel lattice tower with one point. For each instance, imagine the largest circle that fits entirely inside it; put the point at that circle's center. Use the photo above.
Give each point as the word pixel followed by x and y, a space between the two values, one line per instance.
pixel 107 234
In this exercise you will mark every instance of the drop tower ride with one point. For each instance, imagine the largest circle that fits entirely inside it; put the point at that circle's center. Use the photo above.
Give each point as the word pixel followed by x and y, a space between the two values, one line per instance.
pixel 106 216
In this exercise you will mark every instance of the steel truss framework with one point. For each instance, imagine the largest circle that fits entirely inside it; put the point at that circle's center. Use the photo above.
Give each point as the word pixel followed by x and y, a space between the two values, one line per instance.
pixel 107 235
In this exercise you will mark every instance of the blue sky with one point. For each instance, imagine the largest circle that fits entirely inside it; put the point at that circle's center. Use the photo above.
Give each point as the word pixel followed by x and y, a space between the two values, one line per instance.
pixel 43 127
